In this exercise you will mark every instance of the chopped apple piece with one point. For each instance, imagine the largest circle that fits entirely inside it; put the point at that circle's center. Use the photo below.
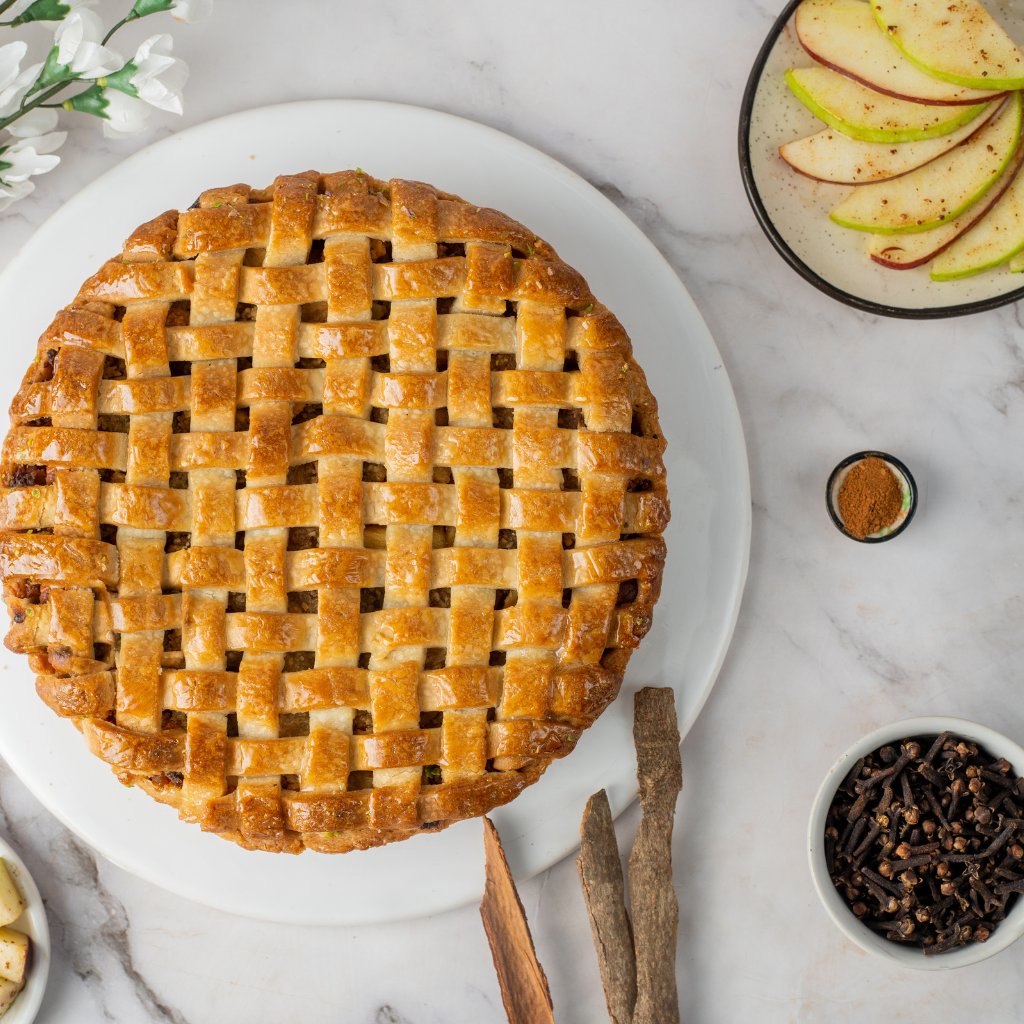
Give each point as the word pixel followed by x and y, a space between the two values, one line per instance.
pixel 870 116
pixel 831 156
pixel 13 954
pixel 956 41
pixel 992 240
pixel 9 991
pixel 1017 263
pixel 844 35
pixel 941 190
pixel 903 252
pixel 11 901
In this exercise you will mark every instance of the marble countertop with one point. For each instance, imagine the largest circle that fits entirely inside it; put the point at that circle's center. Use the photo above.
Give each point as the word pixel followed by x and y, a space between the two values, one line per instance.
pixel 834 638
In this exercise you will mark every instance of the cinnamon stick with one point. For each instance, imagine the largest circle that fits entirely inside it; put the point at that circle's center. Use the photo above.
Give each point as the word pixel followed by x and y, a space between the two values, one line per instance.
pixel 604 893
pixel 524 986
pixel 655 907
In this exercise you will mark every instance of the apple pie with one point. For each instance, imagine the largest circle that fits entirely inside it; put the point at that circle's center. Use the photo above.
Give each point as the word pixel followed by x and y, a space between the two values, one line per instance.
pixel 332 511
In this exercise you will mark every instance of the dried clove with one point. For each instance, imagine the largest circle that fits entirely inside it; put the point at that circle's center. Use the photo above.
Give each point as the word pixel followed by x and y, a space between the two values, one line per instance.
pixel 925 841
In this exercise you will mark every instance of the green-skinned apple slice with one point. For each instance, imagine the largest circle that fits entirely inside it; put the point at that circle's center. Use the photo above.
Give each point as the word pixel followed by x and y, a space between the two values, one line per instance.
pixel 956 41
pixel 941 190
pixel 862 113
pixel 844 35
pixel 1017 263
pixel 992 240
pixel 830 156
pixel 903 252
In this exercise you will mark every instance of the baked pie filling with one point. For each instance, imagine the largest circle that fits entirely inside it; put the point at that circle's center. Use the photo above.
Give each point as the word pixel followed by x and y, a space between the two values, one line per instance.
pixel 332 511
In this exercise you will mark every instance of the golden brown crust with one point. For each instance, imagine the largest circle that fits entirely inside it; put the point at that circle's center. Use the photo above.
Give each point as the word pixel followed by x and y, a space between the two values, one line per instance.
pixel 331 512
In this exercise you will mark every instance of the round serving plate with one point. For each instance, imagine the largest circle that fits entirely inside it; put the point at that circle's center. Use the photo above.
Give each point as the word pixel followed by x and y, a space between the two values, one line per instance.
pixel 793 209
pixel 708 540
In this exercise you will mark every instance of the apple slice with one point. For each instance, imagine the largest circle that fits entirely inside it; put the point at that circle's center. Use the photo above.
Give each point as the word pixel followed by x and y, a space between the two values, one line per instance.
pixel 13 954
pixel 9 991
pixel 1017 263
pixel 843 35
pixel 956 41
pixel 903 252
pixel 941 190
pixel 11 901
pixel 870 116
pixel 992 240
pixel 829 155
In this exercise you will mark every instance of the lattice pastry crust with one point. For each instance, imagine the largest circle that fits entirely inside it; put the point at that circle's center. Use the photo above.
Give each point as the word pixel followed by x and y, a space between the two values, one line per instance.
pixel 332 511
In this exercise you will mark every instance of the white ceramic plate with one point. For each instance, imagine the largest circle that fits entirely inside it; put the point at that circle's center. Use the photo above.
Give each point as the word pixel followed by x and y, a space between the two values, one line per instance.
pixel 793 210
pixel 708 540
pixel 33 923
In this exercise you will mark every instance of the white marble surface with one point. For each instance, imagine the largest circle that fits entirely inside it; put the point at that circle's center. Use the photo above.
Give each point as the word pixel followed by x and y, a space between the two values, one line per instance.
pixel 834 638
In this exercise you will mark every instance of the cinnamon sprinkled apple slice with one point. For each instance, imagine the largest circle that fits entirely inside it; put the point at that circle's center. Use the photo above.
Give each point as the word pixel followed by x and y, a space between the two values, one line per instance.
pixel 844 35
pixel 953 40
pixel 941 190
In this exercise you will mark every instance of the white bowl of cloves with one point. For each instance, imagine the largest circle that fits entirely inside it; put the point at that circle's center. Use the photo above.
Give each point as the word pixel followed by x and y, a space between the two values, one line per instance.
pixel 916 842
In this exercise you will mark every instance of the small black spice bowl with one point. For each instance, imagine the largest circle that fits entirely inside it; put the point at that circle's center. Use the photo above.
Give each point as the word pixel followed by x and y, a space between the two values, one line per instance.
pixel 1002 936
pixel 907 485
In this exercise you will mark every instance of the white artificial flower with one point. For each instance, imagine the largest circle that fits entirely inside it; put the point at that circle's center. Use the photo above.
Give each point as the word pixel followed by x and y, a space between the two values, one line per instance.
pixel 159 78
pixel 13 192
pixel 123 114
pixel 79 48
pixel 14 82
pixel 24 159
pixel 12 94
pixel 35 122
pixel 21 6
pixel 11 57
pixel 191 10
pixel 28 157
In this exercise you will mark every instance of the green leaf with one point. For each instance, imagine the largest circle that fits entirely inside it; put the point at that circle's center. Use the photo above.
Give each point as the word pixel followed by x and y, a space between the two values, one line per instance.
pixel 122 79
pixel 53 72
pixel 92 101
pixel 143 8
pixel 43 10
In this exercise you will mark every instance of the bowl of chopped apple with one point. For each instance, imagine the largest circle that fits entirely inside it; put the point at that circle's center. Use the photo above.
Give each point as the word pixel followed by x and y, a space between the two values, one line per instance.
pixel 882 147
pixel 24 941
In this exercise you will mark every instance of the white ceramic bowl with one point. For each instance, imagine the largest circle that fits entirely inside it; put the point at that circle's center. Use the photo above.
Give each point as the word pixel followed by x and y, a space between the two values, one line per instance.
pixel 1004 935
pixel 33 922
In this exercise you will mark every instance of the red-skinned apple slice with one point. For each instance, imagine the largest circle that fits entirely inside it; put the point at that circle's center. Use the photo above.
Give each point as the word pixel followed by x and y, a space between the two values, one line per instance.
pixel 956 41
pixel 941 190
pixel 844 35
pixel 830 156
pixel 904 252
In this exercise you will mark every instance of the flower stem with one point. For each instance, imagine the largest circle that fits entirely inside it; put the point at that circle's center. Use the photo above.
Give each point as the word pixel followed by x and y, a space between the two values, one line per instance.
pixel 37 102
pixel 130 16
pixel 4 6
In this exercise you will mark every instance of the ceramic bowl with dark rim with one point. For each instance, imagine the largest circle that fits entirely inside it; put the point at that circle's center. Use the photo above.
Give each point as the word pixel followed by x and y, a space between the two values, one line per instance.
pixel 908 491
pixel 793 209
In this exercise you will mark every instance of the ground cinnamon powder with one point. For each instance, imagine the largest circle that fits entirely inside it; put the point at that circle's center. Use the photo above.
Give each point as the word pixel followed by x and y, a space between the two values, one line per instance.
pixel 870 497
